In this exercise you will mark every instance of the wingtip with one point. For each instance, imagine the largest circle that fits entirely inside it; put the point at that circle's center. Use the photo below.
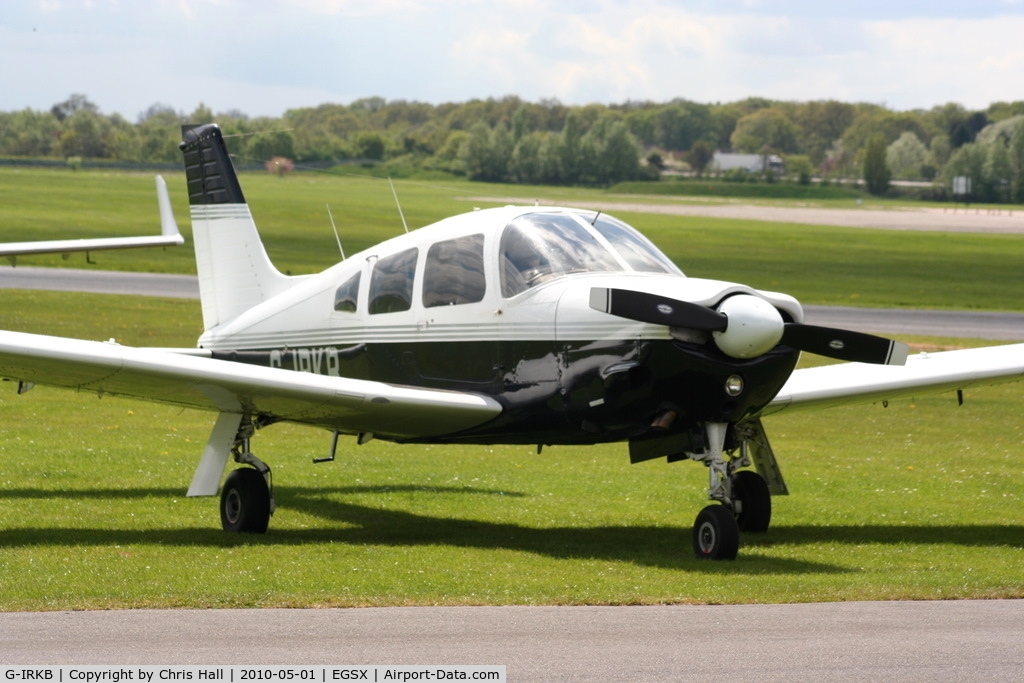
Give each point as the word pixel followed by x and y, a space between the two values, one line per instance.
pixel 168 226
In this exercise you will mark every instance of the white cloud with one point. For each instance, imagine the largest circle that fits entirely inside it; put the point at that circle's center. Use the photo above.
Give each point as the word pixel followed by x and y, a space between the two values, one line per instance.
pixel 125 56
pixel 973 62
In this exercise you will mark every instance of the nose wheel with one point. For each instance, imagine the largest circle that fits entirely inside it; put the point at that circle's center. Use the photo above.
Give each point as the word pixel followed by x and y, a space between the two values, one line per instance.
pixel 745 497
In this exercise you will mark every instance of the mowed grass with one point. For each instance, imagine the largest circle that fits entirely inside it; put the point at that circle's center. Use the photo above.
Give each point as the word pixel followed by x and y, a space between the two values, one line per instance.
pixel 920 500
pixel 816 264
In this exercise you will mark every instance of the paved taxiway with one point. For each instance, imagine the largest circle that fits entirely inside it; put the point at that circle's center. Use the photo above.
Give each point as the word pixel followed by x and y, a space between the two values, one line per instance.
pixel 977 324
pixel 876 641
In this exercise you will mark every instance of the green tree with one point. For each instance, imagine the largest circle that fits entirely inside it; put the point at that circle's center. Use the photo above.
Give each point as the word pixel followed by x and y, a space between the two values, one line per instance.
pixel 1002 131
pixel 998 111
pixel 264 146
pixel 1015 152
pixel 679 125
pixel 906 156
pixel 799 165
pixel 122 140
pixel 159 136
pixel 964 131
pixel 940 149
pixel 526 162
pixel 766 129
pixel 872 120
pixel 85 135
pixel 821 124
pixel 699 156
pixel 502 146
pixel 726 116
pixel 569 150
pixel 486 153
pixel 368 145
pixel 28 133
pixel 322 132
pixel 447 157
pixel 997 172
pixel 609 153
pixel 72 105
pixel 968 160
pixel 202 114
pixel 876 170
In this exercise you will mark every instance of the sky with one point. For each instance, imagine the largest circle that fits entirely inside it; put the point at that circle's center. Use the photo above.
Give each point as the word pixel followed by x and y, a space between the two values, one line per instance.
pixel 263 57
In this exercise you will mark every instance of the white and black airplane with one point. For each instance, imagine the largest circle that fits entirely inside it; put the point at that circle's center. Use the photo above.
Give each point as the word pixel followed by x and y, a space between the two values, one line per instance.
pixel 169 237
pixel 513 325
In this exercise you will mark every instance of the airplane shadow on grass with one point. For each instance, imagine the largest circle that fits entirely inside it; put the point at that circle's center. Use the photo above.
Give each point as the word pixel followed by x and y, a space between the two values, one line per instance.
pixel 658 546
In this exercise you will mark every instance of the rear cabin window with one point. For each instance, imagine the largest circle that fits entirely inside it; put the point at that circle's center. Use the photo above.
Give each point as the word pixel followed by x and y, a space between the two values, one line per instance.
pixel 539 247
pixel 391 282
pixel 454 273
pixel 347 295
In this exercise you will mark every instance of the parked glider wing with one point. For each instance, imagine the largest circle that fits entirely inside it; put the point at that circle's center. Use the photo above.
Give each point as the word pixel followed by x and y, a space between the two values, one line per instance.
pixel 348 405
pixel 169 236
pixel 833 385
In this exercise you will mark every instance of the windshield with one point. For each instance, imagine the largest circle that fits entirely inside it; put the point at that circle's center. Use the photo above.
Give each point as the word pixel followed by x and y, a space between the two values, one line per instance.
pixel 538 247
pixel 634 248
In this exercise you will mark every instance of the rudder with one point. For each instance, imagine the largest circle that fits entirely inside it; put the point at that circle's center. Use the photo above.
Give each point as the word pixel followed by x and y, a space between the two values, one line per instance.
pixel 234 270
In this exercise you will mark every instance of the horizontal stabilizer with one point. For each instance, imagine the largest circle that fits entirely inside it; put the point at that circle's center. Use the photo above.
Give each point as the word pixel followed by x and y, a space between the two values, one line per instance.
pixel 169 236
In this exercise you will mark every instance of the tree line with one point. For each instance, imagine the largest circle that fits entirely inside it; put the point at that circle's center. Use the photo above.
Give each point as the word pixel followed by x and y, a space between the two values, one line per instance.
pixel 512 140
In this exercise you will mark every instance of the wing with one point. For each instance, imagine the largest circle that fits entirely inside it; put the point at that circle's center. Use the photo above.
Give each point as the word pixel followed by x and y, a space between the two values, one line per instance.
pixel 169 236
pixel 833 385
pixel 347 405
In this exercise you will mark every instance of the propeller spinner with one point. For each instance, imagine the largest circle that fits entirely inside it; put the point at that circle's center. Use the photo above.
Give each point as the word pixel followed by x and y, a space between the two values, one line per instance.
pixel 746 326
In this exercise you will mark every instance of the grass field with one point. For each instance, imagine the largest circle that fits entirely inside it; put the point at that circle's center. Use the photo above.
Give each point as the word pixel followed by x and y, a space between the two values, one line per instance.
pixel 816 264
pixel 920 500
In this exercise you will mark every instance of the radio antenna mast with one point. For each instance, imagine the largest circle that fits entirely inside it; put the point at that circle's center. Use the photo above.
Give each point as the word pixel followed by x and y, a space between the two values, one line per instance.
pixel 336 236
pixel 404 224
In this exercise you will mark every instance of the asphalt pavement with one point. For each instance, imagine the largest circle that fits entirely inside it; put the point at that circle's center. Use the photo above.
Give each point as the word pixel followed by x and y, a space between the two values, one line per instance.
pixel 849 641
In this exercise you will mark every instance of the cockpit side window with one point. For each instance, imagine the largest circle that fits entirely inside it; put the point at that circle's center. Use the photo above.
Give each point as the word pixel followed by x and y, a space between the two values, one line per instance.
pixel 634 248
pixel 539 247
pixel 391 282
pixel 347 295
pixel 454 272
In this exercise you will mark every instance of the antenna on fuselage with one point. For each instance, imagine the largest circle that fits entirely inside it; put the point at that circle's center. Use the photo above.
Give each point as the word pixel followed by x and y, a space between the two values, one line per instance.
pixel 336 235
pixel 399 204
pixel 596 216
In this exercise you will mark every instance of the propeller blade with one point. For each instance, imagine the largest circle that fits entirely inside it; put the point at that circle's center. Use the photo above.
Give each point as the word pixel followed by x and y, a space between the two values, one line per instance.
pixel 655 309
pixel 845 344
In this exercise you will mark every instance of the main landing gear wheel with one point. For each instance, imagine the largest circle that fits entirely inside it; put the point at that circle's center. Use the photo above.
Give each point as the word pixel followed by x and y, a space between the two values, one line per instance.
pixel 245 502
pixel 755 502
pixel 716 535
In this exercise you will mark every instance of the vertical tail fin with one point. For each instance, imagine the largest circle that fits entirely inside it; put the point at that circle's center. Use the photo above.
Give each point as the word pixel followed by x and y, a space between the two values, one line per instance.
pixel 234 270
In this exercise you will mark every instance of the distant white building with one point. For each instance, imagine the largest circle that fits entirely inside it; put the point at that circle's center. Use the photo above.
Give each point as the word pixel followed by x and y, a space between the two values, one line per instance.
pixel 752 163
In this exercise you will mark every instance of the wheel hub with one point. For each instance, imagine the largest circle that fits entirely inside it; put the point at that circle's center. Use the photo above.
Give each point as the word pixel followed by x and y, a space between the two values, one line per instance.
pixel 233 506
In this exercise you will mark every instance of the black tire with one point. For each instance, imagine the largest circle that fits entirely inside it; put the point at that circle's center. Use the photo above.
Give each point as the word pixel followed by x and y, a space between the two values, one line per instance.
pixel 245 502
pixel 715 534
pixel 751 490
